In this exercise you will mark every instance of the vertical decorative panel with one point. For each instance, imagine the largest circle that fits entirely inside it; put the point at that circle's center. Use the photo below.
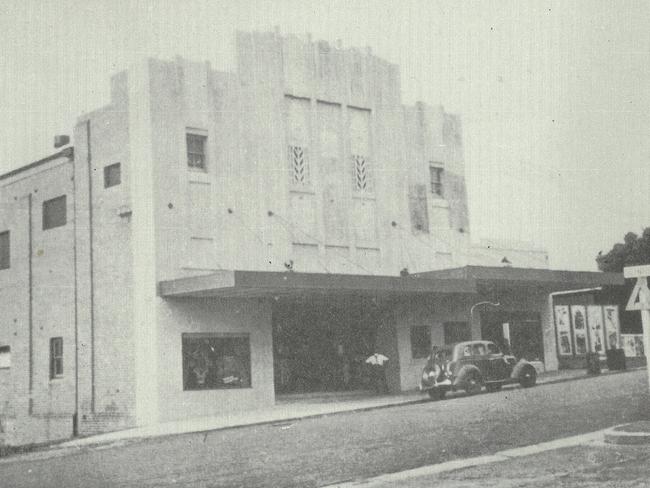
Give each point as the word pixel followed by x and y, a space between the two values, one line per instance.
pixel 331 174
pixel 418 208
pixel 303 219
pixel 298 135
pixel 364 222
pixel 359 130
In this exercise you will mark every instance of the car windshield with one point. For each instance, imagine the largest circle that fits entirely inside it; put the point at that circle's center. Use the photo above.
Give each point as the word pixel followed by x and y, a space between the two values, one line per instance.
pixel 492 348
pixel 478 349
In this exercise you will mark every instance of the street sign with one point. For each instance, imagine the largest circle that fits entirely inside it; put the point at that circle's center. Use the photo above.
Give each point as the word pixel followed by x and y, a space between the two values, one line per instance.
pixel 636 271
pixel 640 297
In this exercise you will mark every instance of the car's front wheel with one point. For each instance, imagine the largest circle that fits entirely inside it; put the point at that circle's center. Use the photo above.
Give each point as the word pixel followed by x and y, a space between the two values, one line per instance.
pixel 528 377
pixel 473 383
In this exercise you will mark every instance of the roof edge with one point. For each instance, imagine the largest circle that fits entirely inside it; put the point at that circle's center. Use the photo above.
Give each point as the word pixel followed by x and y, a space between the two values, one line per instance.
pixel 67 152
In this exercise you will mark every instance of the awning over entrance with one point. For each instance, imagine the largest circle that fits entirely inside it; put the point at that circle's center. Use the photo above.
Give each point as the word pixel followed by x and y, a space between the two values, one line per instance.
pixel 551 280
pixel 231 284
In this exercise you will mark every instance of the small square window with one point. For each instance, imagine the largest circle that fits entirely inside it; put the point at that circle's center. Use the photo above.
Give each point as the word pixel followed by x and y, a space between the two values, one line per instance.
pixel 420 341
pixel 5 357
pixel 56 357
pixel 196 157
pixel 54 212
pixel 435 174
pixel 5 250
pixel 112 175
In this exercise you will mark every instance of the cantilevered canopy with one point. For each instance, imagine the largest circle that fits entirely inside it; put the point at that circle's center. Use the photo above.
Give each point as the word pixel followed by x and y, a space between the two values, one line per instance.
pixel 547 279
pixel 228 283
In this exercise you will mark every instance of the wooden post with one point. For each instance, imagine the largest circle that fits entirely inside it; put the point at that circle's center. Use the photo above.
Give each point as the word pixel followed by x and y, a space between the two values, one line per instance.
pixel 645 319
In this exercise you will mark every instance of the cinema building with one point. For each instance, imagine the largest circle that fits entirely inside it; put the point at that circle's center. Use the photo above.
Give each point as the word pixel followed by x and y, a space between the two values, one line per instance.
pixel 213 240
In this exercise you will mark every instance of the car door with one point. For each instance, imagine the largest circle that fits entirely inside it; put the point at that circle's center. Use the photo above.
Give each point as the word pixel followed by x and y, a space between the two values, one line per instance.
pixel 498 368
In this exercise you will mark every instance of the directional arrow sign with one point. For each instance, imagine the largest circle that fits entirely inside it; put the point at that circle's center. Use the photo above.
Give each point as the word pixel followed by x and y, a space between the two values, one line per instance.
pixel 640 297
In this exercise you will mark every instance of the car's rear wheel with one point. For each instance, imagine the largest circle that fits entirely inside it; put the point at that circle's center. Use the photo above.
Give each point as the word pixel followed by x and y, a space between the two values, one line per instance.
pixel 528 377
pixel 437 394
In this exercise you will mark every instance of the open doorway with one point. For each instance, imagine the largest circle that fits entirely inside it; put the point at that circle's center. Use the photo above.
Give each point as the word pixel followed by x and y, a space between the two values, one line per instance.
pixel 320 343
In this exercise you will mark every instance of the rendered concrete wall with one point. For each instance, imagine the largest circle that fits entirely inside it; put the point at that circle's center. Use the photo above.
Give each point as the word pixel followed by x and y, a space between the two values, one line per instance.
pixel 435 311
pixel 342 109
pixel 104 269
pixel 176 317
pixel 425 311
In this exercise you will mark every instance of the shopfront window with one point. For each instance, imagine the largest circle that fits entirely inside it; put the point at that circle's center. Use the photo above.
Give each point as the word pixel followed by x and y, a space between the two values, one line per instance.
pixel 216 361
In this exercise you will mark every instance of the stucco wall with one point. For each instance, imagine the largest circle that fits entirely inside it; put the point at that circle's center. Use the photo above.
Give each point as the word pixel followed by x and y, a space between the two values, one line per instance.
pixel 176 317
pixel 334 104
pixel 106 356
pixel 435 311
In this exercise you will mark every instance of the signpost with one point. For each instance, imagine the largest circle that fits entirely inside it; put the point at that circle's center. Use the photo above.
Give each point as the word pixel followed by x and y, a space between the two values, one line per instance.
pixel 640 300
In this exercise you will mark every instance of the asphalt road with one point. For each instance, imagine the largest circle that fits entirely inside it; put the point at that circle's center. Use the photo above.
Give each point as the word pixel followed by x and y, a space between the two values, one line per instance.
pixel 321 451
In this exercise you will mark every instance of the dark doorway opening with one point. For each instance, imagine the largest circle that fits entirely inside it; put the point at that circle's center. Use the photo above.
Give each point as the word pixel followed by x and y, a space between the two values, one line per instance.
pixel 320 343
pixel 519 333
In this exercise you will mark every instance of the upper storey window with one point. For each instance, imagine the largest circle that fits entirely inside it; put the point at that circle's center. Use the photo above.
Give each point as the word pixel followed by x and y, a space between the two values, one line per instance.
pixel 54 212
pixel 196 150
pixel 112 175
pixel 435 176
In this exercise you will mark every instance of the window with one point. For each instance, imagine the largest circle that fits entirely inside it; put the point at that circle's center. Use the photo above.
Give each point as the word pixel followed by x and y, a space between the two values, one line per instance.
pixel 435 175
pixel 361 173
pixel 5 357
pixel 299 166
pixel 112 175
pixel 456 332
pixel 5 250
pixel 420 341
pixel 56 357
pixel 196 151
pixel 492 348
pixel 54 212
pixel 215 361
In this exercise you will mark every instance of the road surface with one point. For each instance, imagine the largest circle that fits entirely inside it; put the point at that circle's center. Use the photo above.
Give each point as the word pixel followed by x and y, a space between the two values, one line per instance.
pixel 321 451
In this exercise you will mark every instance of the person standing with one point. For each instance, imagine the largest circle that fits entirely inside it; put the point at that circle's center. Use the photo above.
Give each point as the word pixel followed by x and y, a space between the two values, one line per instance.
pixel 377 364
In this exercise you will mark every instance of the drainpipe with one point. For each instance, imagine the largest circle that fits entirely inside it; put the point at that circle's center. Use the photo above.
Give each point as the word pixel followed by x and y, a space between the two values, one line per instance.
pixel 75 415
pixel 30 312
pixel 92 277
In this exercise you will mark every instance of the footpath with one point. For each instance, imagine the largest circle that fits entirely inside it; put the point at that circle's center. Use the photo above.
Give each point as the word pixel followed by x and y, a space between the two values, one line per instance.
pixel 287 409
pixel 617 457
pixel 292 408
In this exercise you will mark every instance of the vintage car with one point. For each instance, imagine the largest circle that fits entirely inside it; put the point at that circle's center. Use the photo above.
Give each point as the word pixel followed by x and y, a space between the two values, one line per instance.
pixel 471 365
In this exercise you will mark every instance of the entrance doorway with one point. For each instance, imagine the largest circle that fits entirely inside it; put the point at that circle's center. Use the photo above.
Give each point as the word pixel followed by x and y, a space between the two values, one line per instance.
pixel 517 332
pixel 320 343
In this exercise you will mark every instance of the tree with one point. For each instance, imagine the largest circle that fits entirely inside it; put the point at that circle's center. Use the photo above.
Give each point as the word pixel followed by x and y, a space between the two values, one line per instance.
pixel 633 251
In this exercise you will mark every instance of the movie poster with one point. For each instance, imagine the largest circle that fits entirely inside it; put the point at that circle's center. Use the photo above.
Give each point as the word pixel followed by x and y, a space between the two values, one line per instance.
pixel 579 319
pixel 596 328
pixel 632 345
pixel 611 326
pixel 563 329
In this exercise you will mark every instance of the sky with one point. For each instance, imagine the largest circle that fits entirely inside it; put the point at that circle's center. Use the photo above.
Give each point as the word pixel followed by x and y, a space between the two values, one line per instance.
pixel 554 96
